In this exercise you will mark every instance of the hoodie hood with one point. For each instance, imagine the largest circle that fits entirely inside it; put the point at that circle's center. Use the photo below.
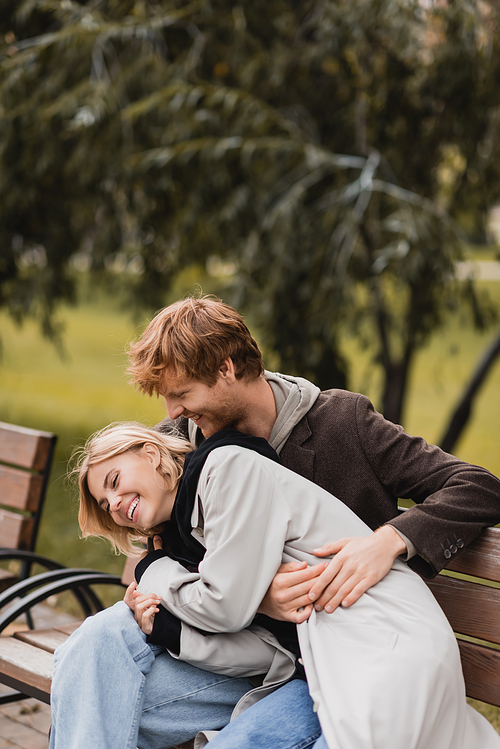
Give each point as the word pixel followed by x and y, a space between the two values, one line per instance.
pixel 294 397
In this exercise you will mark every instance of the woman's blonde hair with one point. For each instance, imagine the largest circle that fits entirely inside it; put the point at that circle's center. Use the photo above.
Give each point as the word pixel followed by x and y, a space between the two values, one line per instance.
pixel 106 443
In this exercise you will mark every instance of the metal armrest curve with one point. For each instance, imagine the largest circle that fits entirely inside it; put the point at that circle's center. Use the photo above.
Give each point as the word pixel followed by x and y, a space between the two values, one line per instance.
pixel 23 587
pixel 58 586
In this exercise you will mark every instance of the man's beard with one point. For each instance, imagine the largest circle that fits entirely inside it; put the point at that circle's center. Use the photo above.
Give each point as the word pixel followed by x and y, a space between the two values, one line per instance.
pixel 230 417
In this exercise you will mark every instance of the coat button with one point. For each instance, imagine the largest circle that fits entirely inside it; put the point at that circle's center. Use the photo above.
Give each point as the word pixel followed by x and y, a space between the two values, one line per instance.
pixel 460 543
pixel 453 549
pixel 198 531
pixel 447 554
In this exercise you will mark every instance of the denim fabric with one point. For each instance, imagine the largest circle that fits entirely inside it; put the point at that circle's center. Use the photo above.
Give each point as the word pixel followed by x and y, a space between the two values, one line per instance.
pixel 283 720
pixel 112 690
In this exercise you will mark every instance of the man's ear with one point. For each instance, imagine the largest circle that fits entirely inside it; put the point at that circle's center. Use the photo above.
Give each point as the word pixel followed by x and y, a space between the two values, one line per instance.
pixel 152 454
pixel 227 371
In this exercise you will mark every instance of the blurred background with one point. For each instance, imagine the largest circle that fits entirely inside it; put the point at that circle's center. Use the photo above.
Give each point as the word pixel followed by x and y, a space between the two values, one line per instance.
pixel 331 168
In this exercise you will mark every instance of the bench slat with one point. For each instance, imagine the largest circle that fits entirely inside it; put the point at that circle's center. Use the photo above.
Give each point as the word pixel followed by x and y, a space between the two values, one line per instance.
pixel 481 558
pixel 68 629
pixel 20 489
pixel 472 609
pixel 26 668
pixel 45 639
pixel 15 530
pixel 481 668
pixel 24 447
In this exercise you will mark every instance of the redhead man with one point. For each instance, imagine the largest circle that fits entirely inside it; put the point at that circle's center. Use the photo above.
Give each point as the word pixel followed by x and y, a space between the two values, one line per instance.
pixel 200 357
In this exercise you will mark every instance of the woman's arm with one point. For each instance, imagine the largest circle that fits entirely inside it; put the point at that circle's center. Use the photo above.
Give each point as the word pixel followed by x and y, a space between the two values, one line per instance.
pixel 245 531
pixel 236 654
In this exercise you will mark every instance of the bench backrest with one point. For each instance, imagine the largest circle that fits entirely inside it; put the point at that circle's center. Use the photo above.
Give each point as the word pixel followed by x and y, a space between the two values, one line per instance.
pixel 25 462
pixel 469 593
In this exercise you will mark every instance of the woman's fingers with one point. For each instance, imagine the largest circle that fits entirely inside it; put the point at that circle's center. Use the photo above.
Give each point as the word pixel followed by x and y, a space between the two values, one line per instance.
pixel 289 591
pixel 146 606
pixel 129 595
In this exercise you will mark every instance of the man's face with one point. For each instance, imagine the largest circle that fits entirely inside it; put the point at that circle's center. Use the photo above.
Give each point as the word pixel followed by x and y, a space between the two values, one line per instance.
pixel 211 407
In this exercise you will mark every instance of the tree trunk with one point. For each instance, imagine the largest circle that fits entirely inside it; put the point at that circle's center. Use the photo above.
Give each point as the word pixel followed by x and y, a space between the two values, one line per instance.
pixel 393 400
pixel 463 410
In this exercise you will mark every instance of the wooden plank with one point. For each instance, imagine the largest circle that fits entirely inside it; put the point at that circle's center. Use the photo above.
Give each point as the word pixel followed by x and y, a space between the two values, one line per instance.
pixel 68 629
pixel 471 608
pixel 15 530
pixel 45 639
pixel 481 558
pixel 25 668
pixel 24 447
pixel 20 489
pixel 481 668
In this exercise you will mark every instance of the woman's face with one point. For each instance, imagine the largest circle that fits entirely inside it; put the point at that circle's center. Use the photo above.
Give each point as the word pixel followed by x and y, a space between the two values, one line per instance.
pixel 130 487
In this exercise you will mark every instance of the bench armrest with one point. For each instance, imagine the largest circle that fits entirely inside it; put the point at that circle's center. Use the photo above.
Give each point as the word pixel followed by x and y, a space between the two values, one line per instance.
pixel 74 582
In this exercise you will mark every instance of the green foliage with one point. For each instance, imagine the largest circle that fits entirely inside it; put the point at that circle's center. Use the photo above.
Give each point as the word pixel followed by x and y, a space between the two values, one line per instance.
pixel 326 147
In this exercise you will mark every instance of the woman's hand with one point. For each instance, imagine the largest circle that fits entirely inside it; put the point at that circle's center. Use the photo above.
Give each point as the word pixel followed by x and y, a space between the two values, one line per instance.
pixel 144 607
pixel 287 598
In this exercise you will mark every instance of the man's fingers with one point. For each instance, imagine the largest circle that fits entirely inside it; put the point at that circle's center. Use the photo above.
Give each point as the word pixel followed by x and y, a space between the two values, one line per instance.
pixel 329 572
pixel 345 596
pixel 355 594
pixel 328 549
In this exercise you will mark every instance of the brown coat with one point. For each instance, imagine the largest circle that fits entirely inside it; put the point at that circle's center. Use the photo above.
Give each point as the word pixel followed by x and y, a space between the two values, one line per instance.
pixel 353 452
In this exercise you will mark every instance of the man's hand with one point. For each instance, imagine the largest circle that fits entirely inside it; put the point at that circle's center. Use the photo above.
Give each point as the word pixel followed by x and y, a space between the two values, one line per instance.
pixel 287 598
pixel 358 564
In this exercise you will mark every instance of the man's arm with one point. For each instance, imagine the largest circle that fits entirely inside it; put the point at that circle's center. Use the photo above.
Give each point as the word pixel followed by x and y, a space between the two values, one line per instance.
pixel 369 463
pixel 358 564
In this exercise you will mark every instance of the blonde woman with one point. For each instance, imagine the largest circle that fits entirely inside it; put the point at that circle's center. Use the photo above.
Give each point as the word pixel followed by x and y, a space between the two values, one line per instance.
pixel 382 674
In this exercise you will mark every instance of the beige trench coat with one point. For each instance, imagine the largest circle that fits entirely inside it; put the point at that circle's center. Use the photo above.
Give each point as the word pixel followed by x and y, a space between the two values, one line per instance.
pixel 384 673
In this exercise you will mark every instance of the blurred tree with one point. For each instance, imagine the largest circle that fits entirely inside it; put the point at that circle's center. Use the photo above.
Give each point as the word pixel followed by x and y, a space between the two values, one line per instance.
pixel 326 147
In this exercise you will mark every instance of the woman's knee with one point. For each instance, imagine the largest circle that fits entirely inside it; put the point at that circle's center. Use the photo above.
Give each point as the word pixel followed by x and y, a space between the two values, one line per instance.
pixel 106 632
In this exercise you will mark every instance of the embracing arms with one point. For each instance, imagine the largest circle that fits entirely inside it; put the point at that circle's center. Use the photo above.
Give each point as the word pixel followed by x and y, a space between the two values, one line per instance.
pixel 352 451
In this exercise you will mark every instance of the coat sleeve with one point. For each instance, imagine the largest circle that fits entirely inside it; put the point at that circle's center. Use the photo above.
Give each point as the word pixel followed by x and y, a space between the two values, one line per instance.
pixel 454 499
pixel 245 531
pixel 236 654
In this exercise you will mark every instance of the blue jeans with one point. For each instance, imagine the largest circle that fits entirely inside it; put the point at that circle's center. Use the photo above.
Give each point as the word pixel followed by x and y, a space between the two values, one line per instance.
pixel 112 690
pixel 283 720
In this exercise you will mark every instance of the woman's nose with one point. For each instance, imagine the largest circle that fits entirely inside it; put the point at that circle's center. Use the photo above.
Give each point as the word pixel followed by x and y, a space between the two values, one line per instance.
pixel 115 503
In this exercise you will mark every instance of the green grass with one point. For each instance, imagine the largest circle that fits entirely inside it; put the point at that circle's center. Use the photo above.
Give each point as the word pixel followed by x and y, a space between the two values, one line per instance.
pixel 72 397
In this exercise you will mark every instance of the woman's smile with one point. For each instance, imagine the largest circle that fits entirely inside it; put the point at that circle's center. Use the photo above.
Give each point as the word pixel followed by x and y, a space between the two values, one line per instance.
pixel 131 488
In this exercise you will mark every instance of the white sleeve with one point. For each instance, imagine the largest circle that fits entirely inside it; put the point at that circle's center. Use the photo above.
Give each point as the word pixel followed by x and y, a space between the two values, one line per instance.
pixel 235 654
pixel 245 531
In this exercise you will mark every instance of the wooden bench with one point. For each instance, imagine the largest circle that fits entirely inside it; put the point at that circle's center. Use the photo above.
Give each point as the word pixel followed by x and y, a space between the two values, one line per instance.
pixel 469 594
pixel 26 656
pixel 25 462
